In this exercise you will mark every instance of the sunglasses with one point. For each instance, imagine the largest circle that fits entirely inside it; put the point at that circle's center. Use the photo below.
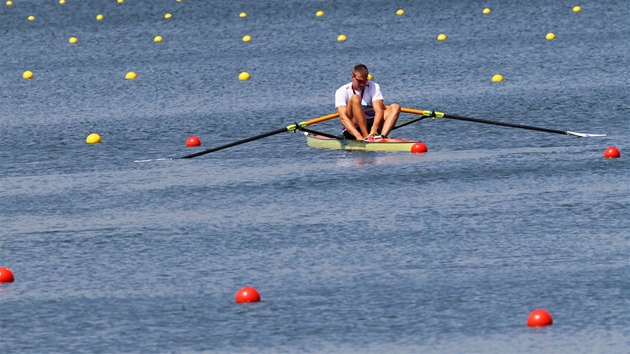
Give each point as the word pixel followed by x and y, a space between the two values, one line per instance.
pixel 359 80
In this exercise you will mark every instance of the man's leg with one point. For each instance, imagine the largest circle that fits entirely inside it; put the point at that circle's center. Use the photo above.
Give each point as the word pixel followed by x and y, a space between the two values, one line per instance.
pixel 391 117
pixel 355 112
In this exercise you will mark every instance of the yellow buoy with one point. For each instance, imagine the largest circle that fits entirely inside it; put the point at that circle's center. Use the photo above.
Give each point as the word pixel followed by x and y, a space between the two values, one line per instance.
pixel 319 13
pixel 73 40
pixel 244 76
pixel 179 0
pixel 130 75
pixel 31 18
pixel 400 12
pixel 157 39
pixel 93 139
pixel 9 2
pixel 242 14
pixel 497 78
pixel 168 15
pixel 441 37
pixel 550 36
pixel 341 38
pixel 577 9
pixel 486 11
pixel 369 76
pixel 247 39
pixel 27 74
pixel 121 1
pixel 62 2
pixel 99 17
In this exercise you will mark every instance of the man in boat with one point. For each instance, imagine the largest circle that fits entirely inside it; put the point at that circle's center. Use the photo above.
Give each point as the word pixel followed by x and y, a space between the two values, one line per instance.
pixel 361 110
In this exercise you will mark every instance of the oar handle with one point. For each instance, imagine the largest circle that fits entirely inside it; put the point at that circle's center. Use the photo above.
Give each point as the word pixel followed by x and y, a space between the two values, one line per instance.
pixel 423 113
pixel 320 119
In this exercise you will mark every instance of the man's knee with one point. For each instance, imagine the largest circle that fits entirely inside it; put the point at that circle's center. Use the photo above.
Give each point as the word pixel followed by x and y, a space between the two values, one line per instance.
pixel 394 107
pixel 355 99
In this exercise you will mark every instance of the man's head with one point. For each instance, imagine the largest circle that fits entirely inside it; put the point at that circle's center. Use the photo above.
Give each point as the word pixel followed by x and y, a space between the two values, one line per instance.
pixel 360 76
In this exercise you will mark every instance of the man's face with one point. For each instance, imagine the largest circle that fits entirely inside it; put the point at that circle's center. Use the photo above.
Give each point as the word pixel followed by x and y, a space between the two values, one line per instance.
pixel 359 81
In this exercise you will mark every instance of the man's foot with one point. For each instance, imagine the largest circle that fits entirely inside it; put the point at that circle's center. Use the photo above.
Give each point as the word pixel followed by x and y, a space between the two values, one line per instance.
pixel 373 137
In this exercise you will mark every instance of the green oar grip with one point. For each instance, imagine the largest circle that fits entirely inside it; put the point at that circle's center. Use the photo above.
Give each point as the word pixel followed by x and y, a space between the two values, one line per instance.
pixel 295 126
pixel 431 113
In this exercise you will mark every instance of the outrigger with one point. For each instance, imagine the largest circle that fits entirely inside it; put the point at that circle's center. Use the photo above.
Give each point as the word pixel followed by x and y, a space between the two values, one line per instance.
pixel 329 141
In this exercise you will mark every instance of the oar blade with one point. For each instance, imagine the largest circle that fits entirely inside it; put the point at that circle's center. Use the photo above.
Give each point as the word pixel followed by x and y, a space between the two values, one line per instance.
pixel 584 135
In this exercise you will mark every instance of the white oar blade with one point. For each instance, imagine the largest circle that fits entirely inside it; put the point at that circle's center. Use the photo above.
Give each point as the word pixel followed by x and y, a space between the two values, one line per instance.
pixel 584 135
pixel 152 160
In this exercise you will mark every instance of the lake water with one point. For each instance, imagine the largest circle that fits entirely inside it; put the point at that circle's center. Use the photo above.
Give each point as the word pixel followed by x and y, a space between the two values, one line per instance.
pixel 447 251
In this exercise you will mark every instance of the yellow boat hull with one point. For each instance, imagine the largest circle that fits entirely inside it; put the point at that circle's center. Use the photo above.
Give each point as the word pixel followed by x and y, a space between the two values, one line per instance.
pixel 322 142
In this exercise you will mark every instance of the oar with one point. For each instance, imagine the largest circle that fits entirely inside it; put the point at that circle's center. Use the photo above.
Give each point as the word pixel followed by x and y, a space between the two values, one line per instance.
pixel 408 122
pixel 315 132
pixel 342 137
pixel 434 114
pixel 289 128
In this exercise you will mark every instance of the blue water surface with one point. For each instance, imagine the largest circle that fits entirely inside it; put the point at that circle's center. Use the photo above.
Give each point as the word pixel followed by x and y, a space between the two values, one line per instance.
pixel 123 247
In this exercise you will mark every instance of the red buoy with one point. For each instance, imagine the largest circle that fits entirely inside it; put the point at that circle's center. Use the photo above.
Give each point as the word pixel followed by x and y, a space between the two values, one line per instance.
pixel 6 276
pixel 612 153
pixel 247 294
pixel 193 141
pixel 539 318
pixel 418 148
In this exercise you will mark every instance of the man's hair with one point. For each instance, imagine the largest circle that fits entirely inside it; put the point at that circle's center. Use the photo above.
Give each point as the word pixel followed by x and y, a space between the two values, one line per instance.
pixel 361 69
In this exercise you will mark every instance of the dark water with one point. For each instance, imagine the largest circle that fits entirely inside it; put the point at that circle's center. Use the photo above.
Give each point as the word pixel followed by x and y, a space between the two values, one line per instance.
pixel 447 251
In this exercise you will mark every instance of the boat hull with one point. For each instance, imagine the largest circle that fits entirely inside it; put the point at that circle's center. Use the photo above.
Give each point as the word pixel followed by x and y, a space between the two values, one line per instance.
pixel 322 142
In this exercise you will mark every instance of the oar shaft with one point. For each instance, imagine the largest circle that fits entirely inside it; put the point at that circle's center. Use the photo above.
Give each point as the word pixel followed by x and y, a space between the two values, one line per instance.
pixel 315 132
pixel 512 125
pixel 477 120
pixel 408 122
pixel 235 143
pixel 291 127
